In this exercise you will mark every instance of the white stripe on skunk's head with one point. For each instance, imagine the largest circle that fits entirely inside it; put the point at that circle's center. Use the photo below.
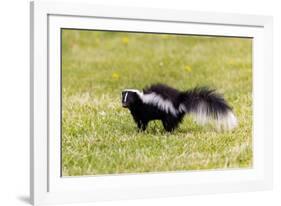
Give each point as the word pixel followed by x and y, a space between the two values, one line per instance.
pixel 130 96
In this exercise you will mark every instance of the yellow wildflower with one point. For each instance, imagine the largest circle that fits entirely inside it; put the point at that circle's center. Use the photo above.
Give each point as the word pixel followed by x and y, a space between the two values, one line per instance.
pixel 125 40
pixel 187 68
pixel 115 75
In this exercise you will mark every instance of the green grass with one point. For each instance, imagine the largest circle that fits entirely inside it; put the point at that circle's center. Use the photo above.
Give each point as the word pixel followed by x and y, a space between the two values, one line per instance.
pixel 100 137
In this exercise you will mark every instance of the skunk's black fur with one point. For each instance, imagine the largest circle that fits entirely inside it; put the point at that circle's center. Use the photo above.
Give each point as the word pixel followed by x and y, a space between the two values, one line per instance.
pixel 161 102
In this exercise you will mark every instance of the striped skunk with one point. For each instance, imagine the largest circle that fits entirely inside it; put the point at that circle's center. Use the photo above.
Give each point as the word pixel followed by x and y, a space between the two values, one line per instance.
pixel 161 102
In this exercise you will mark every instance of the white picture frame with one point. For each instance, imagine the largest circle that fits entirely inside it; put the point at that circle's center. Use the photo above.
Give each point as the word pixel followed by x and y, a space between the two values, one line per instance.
pixel 47 185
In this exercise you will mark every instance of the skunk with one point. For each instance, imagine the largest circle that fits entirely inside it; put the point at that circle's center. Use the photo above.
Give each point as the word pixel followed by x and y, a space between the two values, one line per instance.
pixel 161 102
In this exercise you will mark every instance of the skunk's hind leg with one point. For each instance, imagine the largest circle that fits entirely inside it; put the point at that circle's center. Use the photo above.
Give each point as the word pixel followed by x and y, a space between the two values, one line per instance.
pixel 171 123
pixel 168 125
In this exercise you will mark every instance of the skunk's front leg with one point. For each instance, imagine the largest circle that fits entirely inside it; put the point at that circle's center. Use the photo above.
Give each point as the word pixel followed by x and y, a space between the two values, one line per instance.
pixel 142 125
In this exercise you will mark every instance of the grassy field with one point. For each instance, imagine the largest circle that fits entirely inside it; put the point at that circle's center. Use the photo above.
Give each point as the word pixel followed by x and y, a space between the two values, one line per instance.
pixel 100 137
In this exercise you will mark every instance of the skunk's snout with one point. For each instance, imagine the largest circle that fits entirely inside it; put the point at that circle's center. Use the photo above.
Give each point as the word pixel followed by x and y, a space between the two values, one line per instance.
pixel 124 105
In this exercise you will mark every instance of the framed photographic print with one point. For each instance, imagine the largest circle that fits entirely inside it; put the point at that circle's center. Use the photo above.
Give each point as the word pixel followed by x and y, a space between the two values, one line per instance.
pixel 136 103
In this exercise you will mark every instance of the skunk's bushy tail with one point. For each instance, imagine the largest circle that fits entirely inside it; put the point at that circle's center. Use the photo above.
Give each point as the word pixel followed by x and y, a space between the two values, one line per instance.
pixel 208 106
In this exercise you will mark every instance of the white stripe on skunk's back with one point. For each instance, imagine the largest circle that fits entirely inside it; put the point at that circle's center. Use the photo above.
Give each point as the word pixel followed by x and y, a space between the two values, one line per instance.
pixel 158 101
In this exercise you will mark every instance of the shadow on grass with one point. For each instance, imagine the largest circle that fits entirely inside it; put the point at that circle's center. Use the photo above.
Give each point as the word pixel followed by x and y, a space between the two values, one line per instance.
pixel 155 128
pixel 24 199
